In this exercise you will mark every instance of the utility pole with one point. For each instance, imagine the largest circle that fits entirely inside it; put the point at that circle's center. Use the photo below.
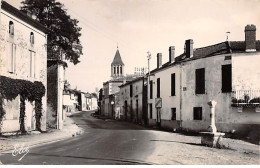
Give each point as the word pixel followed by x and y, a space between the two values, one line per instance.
pixel 148 82
pixel 227 35
pixel 148 58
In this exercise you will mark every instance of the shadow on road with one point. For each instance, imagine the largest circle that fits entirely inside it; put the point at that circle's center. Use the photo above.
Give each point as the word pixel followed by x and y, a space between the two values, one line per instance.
pixel 196 144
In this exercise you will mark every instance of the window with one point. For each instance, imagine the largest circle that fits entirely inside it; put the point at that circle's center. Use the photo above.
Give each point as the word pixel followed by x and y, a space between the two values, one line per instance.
pixel 173 84
pixel 12 60
pixel 173 110
pixel 32 39
pixel 151 89
pixel 197 113
pixel 117 70
pixel 200 81
pixel 114 70
pixel 151 110
pixel 131 90
pixel 32 64
pixel 121 70
pixel 11 28
pixel 158 88
pixel 226 78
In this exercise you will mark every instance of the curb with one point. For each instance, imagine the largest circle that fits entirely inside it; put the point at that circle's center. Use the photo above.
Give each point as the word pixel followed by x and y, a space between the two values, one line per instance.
pixel 79 131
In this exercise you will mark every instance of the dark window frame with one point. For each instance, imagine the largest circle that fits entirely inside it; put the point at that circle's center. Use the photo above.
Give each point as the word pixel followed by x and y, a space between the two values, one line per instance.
pixel 226 78
pixel 173 83
pixel 197 113
pixel 151 110
pixel 131 90
pixel 173 112
pixel 151 89
pixel 200 81
pixel 158 87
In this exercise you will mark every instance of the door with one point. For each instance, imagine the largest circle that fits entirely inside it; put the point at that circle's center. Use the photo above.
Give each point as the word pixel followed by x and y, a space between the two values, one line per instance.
pixel 158 117
pixel 125 110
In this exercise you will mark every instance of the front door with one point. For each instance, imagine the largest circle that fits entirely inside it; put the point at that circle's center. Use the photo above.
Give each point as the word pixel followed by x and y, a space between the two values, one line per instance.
pixel 158 117
pixel 125 110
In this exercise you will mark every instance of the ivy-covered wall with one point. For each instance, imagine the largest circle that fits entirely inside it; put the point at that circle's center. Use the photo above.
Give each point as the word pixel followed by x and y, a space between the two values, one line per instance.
pixel 22 64
pixel 52 97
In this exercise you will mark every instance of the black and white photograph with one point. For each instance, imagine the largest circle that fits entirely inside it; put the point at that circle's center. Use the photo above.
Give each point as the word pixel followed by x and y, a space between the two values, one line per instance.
pixel 130 82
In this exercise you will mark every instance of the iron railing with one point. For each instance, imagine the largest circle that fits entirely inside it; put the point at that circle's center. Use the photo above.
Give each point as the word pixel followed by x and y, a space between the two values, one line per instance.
pixel 246 98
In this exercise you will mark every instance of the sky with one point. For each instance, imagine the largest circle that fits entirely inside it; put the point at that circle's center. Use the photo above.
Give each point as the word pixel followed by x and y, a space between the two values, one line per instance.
pixel 138 26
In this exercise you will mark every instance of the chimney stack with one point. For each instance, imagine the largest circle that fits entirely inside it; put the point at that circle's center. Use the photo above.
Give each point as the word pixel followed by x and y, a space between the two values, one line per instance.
pixel 250 38
pixel 171 54
pixel 189 48
pixel 159 60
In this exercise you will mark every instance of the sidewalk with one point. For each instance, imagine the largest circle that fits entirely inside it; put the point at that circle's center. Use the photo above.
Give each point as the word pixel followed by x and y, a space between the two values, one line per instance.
pixel 176 148
pixel 70 129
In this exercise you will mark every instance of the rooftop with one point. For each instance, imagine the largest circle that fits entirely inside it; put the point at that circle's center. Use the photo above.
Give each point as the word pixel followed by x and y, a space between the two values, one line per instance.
pixel 12 10
pixel 117 59
pixel 227 47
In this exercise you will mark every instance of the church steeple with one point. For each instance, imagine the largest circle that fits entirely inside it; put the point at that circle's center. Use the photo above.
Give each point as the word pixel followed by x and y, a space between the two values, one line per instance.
pixel 117 66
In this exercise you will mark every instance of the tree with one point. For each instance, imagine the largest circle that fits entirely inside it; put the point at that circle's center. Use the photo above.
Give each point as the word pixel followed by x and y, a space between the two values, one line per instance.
pixel 64 33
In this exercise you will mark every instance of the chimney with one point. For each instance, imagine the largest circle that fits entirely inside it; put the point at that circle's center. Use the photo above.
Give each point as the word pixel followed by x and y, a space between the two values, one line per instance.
pixel 159 60
pixel 189 48
pixel 171 54
pixel 250 38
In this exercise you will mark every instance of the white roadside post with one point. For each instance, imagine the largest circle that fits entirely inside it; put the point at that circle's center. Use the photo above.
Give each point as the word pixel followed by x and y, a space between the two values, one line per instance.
pixel 212 138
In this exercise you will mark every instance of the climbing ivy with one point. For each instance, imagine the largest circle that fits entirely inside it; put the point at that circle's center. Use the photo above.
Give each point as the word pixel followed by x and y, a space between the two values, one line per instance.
pixel 31 91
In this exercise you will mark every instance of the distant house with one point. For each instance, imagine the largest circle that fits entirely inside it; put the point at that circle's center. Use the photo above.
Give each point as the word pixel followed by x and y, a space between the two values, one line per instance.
pixel 91 101
pixel 23 67
pixel 70 101
pixel 132 101
pixel 227 72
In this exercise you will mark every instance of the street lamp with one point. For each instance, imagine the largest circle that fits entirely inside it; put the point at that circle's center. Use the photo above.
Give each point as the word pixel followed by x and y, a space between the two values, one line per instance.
pixel 112 104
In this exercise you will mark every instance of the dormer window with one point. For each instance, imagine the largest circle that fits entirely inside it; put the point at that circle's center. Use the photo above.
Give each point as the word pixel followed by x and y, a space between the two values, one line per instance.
pixel 11 28
pixel 32 39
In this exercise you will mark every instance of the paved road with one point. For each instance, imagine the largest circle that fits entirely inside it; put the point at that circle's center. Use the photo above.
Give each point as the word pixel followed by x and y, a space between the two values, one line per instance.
pixel 103 142
pixel 116 142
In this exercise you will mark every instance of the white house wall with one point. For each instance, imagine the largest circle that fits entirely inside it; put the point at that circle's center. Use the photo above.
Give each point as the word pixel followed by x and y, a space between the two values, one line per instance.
pixel 21 39
pixel 168 101
pixel 227 117
pixel 246 71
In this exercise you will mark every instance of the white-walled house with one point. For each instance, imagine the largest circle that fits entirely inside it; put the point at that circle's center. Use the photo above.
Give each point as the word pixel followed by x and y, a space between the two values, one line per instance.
pixel 23 63
pixel 132 101
pixel 226 72
pixel 70 101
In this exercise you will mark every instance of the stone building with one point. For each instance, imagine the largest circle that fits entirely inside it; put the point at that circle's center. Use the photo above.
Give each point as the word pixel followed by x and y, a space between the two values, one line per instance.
pixel 23 67
pixel 227 72
pixel 55 87
pixel 133 100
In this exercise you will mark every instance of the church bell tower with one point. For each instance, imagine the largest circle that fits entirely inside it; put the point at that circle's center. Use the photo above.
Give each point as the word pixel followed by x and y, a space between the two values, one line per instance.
pixel 117 66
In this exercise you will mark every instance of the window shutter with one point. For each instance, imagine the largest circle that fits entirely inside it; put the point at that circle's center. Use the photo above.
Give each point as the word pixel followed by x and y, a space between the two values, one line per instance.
pixel 151 89
pixel 173 84
pixel 200 81
pixel 226 78
pixel 158 88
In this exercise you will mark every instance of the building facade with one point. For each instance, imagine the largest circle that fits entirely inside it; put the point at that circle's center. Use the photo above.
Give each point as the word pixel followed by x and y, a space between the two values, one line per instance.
pixel 132 101
pixel 23 66
pixel 226 72
pixel 112 86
